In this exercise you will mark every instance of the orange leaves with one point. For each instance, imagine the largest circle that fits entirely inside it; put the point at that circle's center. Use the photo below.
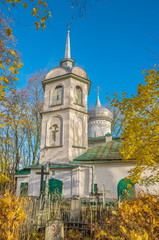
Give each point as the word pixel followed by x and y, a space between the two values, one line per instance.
pixel 8 31
pixel 12 216
pixel 25 5
pixel 35 11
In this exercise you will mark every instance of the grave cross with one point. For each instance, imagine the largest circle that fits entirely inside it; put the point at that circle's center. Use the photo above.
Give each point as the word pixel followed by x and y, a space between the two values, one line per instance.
pixel 42 173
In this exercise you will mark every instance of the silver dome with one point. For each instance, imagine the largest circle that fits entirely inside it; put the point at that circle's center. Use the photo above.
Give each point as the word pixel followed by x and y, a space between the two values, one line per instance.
pixel 99 112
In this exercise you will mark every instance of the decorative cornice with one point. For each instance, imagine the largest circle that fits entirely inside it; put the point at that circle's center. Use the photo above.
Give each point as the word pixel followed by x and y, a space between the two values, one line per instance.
pixel 66 76
pixel 94 119
pixel 63 109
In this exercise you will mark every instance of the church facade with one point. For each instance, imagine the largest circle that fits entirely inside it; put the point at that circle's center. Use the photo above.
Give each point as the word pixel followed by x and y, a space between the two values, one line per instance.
pixel 78 154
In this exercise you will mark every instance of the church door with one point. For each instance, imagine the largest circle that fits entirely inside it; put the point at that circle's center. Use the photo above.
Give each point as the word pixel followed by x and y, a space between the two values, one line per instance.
pixel 55 186
pixel 126 189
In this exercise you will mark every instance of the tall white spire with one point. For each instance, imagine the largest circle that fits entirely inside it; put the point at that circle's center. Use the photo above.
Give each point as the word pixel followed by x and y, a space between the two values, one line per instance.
pixel 67 61
pixel 68 48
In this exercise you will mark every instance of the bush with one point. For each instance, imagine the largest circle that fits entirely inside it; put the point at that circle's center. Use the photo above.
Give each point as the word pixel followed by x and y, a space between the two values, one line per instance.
pixel 12 216
pixel 134 220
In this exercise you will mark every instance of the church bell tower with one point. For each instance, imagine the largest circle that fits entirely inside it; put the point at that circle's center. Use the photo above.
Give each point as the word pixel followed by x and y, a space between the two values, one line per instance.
pixel 64 133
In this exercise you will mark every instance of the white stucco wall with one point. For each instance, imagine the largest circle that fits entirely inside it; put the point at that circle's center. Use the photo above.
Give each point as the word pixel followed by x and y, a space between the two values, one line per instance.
pixel 21 179
pixel 76 181
pixel 111 174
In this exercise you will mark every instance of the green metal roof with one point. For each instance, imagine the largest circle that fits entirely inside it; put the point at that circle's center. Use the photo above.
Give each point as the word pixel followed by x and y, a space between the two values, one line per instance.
pixel 106 151
pixel 100 138
pixel 24 171
pixel 90 139
pixel 51 166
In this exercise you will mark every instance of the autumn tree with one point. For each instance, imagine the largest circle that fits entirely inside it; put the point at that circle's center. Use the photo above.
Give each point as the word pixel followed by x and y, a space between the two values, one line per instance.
pixel 141 128
pixel 33 119
pixel 9 58
pixel 12 104
pixel 20 134
pixel 12 132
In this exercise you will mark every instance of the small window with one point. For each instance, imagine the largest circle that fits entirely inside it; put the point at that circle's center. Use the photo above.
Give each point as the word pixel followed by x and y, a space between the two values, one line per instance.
pixel 57 97
pixel 78 95
pixel 24 189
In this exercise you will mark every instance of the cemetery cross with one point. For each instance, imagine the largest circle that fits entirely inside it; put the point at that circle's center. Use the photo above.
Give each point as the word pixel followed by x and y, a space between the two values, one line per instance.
pixel 42 173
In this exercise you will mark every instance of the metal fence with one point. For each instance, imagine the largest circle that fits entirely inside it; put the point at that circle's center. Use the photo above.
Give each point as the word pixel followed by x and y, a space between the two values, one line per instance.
pixel 75 213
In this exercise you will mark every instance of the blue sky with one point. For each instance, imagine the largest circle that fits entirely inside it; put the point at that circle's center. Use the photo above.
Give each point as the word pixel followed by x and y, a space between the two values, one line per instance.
pixel 114 42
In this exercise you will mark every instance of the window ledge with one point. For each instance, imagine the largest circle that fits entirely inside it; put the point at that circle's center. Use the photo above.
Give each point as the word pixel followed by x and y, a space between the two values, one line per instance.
pixel 53 147
pixel 79 105
pixel 56 105
pixel 78 147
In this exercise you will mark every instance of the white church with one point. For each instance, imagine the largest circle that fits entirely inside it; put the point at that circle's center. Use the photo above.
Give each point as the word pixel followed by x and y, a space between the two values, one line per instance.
pixel 78 155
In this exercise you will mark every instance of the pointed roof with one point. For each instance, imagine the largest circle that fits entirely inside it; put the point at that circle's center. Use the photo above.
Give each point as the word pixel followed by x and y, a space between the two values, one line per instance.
pixel 68 47
pixel 67 61
pixel 98 104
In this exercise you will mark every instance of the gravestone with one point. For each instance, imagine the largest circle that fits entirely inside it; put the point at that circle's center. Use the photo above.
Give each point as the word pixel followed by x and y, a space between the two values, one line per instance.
pixel 75 211
pixel 54 230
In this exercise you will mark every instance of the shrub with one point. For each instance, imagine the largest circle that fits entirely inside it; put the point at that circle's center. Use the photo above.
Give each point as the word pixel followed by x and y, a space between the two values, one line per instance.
pixel 12 216
pixel 134 220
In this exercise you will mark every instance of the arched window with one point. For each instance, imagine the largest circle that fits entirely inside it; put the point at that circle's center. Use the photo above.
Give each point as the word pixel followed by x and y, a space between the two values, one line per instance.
pixel 78 95
pixel 57 96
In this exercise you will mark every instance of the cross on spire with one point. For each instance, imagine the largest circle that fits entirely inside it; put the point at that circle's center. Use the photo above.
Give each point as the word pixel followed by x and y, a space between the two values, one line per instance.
pixel 68 26
pixel 97 90
pixel 98 104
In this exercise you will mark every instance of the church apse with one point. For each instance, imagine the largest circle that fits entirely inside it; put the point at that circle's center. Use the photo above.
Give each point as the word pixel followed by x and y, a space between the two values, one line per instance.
pixel 54 134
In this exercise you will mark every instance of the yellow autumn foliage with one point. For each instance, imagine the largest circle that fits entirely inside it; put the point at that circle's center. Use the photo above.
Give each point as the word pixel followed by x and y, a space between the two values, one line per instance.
pixel 10 62
pixel 12 216
pixel 134 220
pixel 39 9
pixel 4 179
pixel 140 125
